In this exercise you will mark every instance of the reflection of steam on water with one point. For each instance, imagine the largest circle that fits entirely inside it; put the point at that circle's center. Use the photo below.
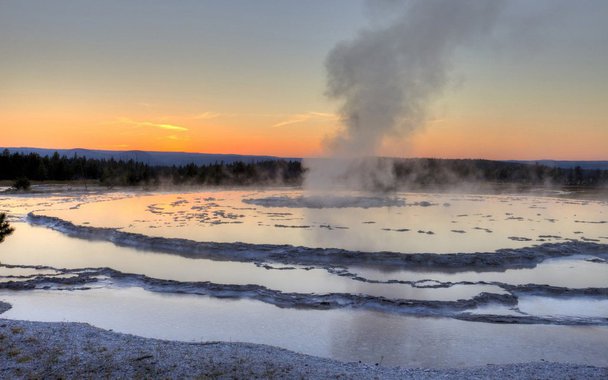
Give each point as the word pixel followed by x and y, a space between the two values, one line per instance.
pixel 384 79
pixel 327 201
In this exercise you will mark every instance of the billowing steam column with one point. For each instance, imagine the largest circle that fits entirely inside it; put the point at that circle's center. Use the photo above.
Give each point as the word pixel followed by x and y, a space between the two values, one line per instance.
pixel 384 79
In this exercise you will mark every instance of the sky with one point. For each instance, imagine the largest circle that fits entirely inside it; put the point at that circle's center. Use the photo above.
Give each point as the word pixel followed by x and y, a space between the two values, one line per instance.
pixel 249 77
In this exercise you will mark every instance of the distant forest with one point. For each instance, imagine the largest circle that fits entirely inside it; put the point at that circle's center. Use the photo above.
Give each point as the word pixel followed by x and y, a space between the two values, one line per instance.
pixel 448 172
pixel 17 166
pixel 407 172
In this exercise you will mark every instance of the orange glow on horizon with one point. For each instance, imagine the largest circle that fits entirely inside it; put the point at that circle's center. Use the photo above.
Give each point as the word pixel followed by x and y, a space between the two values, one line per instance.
pixel 287 135
pixel 233 84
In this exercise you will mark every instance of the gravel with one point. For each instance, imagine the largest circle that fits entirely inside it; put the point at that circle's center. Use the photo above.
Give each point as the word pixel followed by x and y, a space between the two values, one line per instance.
pixel 78 350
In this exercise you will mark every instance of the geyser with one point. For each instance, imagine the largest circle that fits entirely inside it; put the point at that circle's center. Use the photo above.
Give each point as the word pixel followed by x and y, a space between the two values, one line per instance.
pixel 384 79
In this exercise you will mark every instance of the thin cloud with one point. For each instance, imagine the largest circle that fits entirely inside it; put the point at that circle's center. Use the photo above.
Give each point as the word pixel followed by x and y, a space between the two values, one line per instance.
pixel 309 116
pixel 166 126
pixel 170 127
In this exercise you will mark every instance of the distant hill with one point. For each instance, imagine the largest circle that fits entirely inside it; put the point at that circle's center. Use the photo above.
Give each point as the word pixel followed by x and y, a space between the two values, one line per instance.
pixel 589 165
pixel 151 158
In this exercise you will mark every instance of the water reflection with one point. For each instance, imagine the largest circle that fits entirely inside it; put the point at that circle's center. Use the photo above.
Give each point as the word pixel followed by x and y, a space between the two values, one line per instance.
pixel 41 246
pixel 573 272
pixel 340 334
pixel 435 223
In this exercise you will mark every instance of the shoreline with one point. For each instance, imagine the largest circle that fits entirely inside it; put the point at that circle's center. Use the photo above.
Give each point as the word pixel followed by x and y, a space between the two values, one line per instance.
pixel 75 350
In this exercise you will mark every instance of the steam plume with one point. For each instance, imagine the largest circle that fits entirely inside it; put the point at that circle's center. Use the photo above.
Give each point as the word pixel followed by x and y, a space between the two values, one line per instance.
pixel 385 77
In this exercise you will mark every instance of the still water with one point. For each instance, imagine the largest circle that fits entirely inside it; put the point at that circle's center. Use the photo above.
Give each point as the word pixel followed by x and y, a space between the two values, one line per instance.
pixel 340 334
pixel 410 316
pixel 436 223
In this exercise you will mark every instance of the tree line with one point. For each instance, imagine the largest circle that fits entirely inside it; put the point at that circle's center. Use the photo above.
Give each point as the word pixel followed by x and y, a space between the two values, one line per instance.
pixel 406 172
pixel 446 172
pixel 20 167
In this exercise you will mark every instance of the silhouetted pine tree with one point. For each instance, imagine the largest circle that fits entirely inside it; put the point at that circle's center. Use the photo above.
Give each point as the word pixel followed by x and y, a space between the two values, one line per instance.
pixel 5 228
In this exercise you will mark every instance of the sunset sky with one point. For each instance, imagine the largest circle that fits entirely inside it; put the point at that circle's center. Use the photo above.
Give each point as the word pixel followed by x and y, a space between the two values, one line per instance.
pixel 248 77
